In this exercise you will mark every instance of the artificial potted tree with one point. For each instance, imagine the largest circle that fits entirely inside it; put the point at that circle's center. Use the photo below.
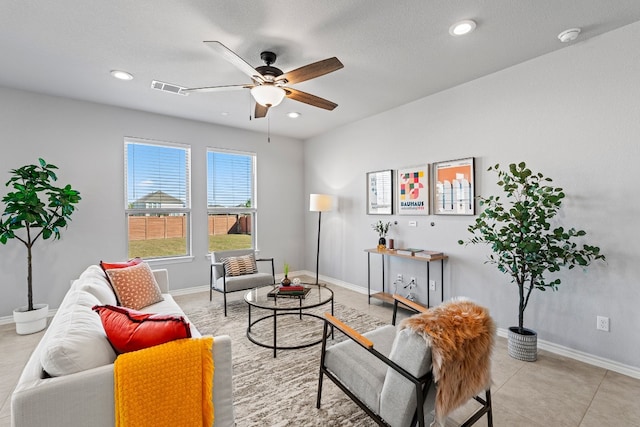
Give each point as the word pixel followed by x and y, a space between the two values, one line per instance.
pixel 35 209
pixel 527 242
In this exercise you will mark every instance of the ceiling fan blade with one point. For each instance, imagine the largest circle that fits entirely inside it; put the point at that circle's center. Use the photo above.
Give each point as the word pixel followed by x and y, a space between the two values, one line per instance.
pixel 261 111
pixel 216 88
pixel 231 56
pixel 312 71
pixel 307 98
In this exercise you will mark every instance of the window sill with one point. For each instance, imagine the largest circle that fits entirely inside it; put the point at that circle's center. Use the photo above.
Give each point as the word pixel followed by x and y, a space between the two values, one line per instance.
pixel 171 260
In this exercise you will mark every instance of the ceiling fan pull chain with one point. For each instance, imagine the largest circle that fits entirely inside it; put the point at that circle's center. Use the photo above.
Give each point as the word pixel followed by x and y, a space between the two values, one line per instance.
pixel 269 129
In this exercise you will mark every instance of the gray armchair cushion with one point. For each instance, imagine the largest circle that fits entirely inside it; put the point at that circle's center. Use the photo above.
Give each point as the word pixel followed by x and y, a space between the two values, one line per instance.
pixel 248 281
pixel 237 283
pixel 358 370
pixel 410 351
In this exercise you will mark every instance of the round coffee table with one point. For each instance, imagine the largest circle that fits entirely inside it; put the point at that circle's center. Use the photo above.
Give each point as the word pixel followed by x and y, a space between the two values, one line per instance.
pixel 267 298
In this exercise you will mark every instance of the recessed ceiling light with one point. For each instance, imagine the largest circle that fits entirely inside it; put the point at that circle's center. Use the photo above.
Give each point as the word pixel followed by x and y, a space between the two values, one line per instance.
pixel 462 27
pixel 122 75
pixel 224 113
pixel 569 35
pixel 293 115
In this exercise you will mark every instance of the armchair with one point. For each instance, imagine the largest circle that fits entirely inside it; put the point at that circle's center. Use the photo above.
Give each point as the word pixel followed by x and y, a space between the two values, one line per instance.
pixel 397 375
pixel 225 279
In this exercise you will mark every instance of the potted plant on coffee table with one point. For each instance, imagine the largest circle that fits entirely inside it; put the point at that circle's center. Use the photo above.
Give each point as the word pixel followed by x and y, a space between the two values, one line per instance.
pixel 527 243
pixel 34 210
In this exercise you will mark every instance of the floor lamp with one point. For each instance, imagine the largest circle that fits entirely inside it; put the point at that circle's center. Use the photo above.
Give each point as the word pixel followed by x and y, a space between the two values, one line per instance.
pixel 319 203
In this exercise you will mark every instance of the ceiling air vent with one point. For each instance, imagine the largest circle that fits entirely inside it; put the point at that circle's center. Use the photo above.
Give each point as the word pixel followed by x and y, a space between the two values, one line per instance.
pixel 168 87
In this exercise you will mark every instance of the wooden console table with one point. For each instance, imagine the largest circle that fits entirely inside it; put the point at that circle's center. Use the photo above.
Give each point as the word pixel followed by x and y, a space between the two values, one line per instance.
pixel 385 296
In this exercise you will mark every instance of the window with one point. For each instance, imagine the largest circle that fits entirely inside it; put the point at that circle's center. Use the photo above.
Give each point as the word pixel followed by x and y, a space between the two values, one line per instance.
pixel 158 201
pixel 231 199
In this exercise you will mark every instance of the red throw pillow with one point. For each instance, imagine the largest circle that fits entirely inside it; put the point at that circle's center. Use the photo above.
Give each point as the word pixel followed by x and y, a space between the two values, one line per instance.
pixel 110 265
pixel 131 330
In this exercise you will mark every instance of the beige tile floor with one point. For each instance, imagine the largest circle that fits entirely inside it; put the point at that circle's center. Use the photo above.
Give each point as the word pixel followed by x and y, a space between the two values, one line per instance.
pixel 553 391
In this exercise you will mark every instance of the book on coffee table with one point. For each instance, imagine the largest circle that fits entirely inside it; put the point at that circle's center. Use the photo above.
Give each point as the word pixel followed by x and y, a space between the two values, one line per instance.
pixel 280 293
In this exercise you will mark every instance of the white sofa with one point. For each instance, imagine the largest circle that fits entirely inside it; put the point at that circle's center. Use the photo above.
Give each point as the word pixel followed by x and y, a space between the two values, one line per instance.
pixel 77 354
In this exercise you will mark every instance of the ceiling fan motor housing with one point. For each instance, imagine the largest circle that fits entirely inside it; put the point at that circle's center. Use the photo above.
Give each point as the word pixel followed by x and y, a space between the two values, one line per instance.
pixel 267 70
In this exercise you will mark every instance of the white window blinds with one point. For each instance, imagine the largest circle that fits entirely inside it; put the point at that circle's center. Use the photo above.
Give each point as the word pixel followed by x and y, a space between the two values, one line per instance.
pixel 157 176
pixel 230 178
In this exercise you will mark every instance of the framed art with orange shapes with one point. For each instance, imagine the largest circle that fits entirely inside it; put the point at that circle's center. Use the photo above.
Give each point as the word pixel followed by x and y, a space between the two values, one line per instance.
pixel 454 187
pixel 412 190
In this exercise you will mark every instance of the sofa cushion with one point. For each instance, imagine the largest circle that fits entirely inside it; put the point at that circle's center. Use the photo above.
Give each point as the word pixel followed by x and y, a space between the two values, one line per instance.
pixel 240 265
pixel 94 281
pixel 76 340
pixel 131 330
pixel 135 286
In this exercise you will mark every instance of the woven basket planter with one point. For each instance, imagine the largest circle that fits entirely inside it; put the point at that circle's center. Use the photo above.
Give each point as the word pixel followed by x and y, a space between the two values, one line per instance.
pixel 522 346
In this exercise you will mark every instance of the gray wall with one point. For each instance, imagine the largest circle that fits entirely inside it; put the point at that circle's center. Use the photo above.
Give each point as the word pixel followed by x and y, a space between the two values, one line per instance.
pixel 572 115
pixel 85 141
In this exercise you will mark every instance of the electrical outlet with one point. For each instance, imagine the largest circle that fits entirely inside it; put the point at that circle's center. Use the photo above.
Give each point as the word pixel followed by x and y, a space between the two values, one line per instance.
pixel 399 278
pixel 602 323
pixel 432 285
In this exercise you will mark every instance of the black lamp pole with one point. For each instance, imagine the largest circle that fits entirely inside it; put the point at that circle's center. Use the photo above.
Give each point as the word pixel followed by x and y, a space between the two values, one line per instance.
pixel 318 250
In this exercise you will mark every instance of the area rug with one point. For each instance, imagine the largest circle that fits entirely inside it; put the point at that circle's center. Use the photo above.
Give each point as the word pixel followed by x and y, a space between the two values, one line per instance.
pixel 282 391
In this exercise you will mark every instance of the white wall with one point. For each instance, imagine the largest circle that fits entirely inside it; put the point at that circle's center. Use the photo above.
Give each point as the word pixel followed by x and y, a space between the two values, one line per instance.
pixel 85 141
pixel 572 115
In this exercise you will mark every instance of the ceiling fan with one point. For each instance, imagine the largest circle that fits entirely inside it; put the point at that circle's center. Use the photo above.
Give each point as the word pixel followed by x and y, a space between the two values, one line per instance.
pixel 269 83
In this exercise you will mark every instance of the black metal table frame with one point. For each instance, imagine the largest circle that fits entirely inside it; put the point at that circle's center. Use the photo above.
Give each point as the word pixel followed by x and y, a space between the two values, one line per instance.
pixel 286 311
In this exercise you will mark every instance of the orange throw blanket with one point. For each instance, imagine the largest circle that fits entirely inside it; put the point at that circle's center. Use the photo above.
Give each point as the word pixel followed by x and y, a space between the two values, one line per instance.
pixel 461 335
pixel 165 385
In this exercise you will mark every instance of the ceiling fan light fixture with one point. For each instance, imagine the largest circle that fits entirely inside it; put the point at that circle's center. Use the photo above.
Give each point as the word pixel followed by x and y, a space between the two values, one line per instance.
pixel 268 95
pixel 462 27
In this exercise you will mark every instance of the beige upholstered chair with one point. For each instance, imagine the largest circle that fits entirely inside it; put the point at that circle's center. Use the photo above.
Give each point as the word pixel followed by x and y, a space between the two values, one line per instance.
pixel 223 279
pixel 392 375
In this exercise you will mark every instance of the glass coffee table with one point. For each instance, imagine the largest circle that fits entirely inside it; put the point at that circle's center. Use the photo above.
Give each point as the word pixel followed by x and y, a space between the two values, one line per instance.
pixel 266 298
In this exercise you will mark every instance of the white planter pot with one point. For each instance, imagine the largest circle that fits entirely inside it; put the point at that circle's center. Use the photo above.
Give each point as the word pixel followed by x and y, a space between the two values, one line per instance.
pixel 522 346
pixel 29 322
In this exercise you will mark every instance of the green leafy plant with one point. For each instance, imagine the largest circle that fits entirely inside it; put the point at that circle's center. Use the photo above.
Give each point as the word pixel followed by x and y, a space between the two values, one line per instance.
pixel 382 228
pixel 520 233
pixel 286 268
pixel 35 209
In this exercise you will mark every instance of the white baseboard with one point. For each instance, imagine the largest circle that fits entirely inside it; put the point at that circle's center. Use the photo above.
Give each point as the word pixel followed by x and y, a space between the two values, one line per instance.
pixel 581 356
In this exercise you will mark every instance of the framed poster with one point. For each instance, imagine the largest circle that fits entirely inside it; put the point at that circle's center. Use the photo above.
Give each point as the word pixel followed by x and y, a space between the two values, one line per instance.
pixel 412 188
pixel 454 182
pixel 380 192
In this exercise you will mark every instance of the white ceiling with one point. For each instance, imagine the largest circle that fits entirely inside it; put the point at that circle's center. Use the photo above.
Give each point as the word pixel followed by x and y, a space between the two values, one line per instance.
pixel 393 52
